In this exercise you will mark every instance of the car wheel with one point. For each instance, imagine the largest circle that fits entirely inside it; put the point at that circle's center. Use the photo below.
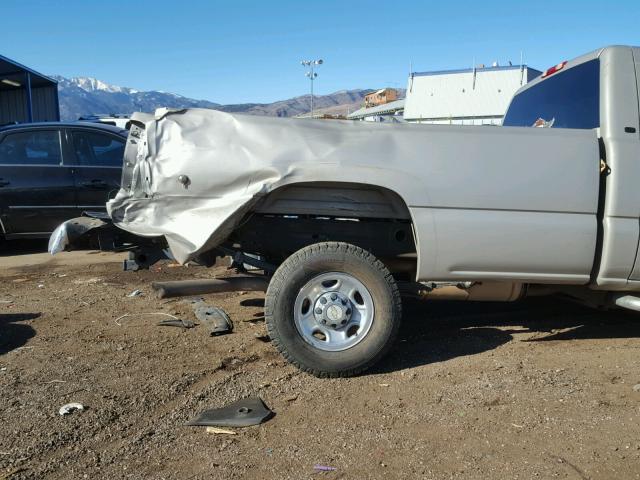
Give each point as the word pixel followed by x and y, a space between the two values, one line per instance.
pixel 332 309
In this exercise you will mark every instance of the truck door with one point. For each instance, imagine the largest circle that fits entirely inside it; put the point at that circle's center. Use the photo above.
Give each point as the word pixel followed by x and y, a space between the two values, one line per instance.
pixel 634 138
pixel 36 187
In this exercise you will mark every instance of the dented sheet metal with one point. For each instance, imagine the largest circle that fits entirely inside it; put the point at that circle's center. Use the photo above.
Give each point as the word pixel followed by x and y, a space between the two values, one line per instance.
pixel 190 175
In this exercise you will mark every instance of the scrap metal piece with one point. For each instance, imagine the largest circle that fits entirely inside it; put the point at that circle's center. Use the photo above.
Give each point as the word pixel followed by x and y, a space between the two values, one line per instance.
pixel 70 408
pixel 69 232
pixel 143 257
pixel 181 288
pixel 214 318
pixel 243 413
pixel 324 468
pixel 222 431
pixel 170 322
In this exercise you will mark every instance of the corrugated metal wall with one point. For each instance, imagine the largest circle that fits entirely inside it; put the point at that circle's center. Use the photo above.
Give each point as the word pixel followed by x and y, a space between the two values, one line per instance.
pixel 464 97
pixel 13 105
pixel 45 104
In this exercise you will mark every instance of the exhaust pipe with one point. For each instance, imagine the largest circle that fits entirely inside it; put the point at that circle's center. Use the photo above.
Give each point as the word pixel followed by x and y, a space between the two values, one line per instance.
pixel 472 292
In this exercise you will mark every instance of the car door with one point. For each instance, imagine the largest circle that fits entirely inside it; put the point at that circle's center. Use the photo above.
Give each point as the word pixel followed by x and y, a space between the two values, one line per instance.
pixel 36 186
pixel 98 166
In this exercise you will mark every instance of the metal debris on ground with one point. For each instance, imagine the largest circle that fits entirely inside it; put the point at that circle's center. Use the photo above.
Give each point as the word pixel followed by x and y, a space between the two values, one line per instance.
pixel 263 338
pixel 215 319
pixel 636 388
pixel 87 281
pixel 70 408
pixel 243 413
pixel 117 320
pixel 135 293
pixel 324 468
pixel 183 288
pixel 176 323
pixel 221 431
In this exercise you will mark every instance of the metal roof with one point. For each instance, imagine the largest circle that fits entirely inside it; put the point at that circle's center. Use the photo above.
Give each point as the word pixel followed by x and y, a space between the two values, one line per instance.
pixel 14 71
pixel 471 70
pixel 466 93
pixel 390 107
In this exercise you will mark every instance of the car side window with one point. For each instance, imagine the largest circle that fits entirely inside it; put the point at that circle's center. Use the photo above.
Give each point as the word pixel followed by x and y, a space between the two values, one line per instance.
pixel 98 149
pixel 37 147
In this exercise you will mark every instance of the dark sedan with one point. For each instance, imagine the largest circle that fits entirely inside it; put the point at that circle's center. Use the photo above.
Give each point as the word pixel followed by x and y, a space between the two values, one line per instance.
pixel 50 172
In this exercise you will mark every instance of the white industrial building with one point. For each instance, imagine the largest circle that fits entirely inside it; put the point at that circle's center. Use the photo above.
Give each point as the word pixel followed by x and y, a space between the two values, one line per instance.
pixel 474 96
pixel 387 112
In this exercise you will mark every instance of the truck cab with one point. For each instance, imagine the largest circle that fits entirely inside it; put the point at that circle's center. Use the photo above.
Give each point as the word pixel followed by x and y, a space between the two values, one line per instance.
pixel 598 91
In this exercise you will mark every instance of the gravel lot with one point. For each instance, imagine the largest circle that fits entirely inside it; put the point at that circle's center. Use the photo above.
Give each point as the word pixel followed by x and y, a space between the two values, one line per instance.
pixel 537 389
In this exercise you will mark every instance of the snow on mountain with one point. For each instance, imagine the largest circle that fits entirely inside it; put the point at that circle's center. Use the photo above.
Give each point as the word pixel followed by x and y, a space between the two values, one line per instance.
pixel 83 96
pixel 90 84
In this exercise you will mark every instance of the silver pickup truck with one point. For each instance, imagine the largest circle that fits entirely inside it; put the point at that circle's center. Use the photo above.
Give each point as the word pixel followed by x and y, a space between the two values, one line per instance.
pixel 343 216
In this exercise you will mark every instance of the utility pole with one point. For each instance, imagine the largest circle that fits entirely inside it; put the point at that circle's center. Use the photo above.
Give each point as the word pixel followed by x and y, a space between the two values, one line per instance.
pixel 311 75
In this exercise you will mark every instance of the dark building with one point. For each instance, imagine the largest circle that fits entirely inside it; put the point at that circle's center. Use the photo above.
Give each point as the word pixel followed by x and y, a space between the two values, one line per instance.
pixel 26 95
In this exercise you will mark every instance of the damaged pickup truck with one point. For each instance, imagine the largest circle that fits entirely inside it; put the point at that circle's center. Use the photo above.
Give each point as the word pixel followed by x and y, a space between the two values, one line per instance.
pixel 343 215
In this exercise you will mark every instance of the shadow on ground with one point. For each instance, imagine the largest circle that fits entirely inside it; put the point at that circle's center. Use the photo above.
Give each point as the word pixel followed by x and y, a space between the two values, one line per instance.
pixel 438 331
pixel 9 248
pixel 12 334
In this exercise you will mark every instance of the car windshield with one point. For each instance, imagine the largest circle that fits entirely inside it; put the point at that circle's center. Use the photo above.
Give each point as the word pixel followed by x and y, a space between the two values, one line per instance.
pixel 568 99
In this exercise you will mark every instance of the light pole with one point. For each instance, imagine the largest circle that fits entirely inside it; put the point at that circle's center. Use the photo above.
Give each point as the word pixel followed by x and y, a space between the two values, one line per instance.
pixel 311 75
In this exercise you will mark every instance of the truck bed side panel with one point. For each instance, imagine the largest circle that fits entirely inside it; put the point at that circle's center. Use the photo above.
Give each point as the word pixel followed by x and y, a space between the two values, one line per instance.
pixel 486 202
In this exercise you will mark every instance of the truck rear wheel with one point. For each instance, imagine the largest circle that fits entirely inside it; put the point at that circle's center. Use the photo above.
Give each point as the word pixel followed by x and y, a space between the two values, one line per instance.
pixel 332 309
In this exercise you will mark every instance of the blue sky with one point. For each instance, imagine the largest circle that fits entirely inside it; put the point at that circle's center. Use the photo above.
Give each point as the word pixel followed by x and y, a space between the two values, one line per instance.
pixel 250 51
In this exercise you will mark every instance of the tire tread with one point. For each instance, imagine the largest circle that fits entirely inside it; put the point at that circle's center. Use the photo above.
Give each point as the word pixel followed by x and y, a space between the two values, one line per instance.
pixel 278 282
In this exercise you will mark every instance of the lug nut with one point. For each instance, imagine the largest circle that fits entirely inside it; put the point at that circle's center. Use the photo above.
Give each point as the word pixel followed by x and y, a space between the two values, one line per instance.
pixel 333 325
pixel 324 322
pixel 319 311
pixel 323 300
pixel 333 296
pixel 348 311
pixel 344 301
pixel 343 322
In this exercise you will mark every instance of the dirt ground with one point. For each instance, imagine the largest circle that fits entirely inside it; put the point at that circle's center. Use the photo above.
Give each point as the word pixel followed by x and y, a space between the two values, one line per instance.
pixel 537 389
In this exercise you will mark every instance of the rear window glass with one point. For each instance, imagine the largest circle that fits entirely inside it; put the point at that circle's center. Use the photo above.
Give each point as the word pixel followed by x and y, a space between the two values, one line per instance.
pixel 38 147
pixel 567 99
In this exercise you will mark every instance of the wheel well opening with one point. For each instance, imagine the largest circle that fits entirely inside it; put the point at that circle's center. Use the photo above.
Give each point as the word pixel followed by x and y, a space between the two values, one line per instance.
pixel 295 216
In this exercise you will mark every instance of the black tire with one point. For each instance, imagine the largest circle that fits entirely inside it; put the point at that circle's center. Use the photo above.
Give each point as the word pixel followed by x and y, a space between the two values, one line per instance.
pixel 302 267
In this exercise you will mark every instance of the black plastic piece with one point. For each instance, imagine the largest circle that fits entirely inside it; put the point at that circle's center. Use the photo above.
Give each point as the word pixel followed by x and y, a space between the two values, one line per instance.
pixel 171 322
pixel 243 413
pixel 142 258
pixel 629 130
pixel 214 318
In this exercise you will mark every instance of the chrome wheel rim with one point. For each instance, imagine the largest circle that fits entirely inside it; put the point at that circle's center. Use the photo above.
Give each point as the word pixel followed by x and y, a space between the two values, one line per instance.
pixel 333 311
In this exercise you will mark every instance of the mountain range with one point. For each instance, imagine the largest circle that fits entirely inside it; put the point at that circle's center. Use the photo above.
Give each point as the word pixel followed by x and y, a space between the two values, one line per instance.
pixel 82 96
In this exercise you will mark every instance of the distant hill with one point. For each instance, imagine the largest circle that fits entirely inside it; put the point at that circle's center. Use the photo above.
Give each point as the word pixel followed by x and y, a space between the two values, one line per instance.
pixel 80 96
pixel 86 96
pixel 299 105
